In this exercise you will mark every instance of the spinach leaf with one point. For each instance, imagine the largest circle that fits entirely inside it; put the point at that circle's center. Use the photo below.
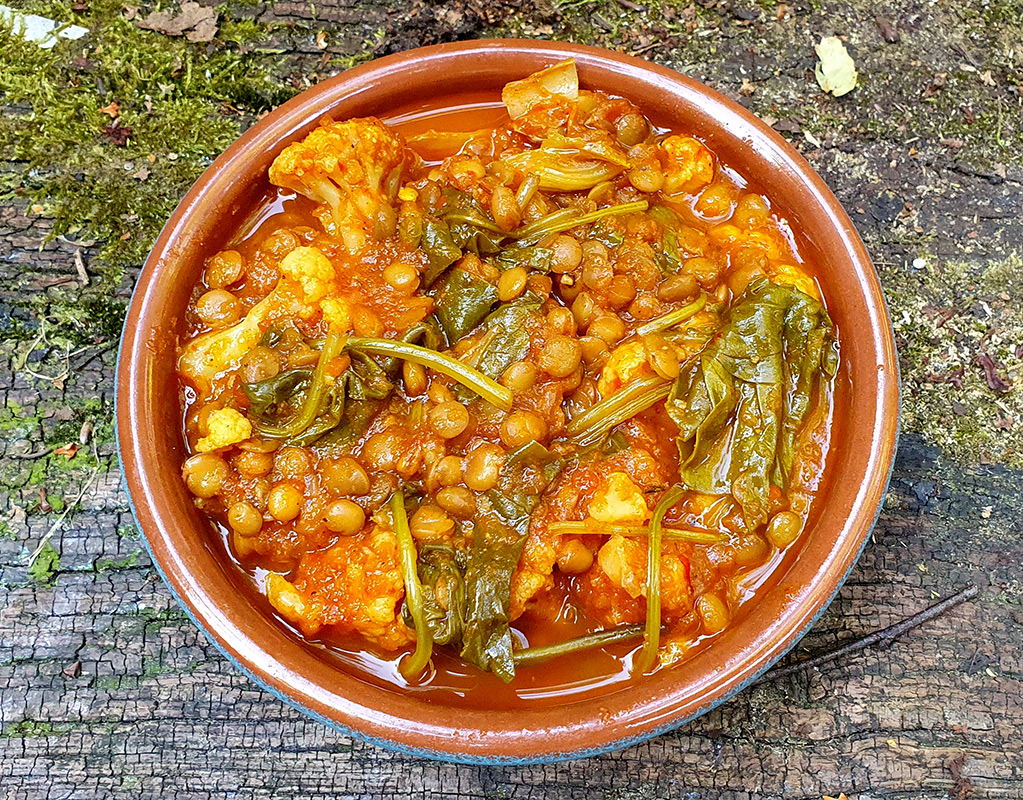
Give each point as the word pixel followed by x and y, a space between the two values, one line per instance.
pixel 276 397
pixel 740 407
pixel 441 250
pixel 501 531
pixel 531 257
pixel 506 338
pixel 443 597
pixel 463 300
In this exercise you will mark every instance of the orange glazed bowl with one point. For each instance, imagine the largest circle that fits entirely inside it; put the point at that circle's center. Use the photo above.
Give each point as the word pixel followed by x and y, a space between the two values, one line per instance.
pixel 213 591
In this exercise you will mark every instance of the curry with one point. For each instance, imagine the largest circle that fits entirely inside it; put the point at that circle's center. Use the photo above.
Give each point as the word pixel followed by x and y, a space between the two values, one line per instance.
pixel 556 390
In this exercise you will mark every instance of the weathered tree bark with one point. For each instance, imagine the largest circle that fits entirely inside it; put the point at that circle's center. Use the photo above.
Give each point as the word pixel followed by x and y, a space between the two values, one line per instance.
pixel 108 690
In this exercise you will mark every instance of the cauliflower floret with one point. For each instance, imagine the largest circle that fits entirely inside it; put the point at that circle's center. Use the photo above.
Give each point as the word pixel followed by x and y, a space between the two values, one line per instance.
pixel 627 363
pixel 620 502
pixel 306 279
pixel 354 167
pixel 689 165
pixel 311 270
pixel 226 426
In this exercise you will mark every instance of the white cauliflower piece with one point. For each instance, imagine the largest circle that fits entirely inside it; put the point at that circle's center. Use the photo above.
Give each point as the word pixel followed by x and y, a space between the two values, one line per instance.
pixel 621 502
pixel 226 427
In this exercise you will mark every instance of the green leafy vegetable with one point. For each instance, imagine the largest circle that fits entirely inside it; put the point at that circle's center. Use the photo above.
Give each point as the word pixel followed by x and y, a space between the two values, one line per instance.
pixel 569 218
pixel 412 667
pixel 440 248
pixel 440 574
pixel 315 395
pixel 537 259
pixel 485 387
pixel 588 527
pixel 463 300
pixel 598 420
pixel 741 406
pixel 652 635
pixel 505 337
pixel 269 398
pixel 537 655
pixel 672 318
pixel 501 530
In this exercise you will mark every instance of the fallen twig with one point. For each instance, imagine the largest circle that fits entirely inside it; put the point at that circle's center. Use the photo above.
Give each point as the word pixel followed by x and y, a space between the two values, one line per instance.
pixel 885 637
pixel 60 520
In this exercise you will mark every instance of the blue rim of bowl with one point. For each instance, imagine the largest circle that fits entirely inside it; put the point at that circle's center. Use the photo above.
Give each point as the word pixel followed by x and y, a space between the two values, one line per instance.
pixel 544 757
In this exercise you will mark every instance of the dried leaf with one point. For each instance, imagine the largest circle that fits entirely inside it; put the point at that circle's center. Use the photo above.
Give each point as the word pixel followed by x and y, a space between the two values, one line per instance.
pixel 195 22
pixel 995 382
pixel 68 451
pixel 836 72
pixel 112 110
pixel 118 135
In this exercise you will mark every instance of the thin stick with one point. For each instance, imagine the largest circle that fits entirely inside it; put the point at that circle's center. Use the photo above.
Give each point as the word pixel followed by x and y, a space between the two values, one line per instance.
pixel 886 637
pixel 60 520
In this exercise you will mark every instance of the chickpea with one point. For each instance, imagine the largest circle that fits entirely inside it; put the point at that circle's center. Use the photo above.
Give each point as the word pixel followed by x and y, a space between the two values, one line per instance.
pixel 253 465
pixel 566 253
pixel 366 322
pixel 449 419
pixel 409 460
pixel 569 287
pixel 402 277
pixel 284 502
pixel 244 518
pixel 519 377
pixel 414 377
pixel 540 285
pixel 594 350
pixel 521 427
pixel 561 356
pixel 703 270
pixel 608 327
pixel 512 283
pixel 574 557
pixel 279 243
pixel 205 474
pixel 752 211
pixel 381 450
pixel 345 476
pixel 293 462
pixel 345 517
pixel 584 309
pixel 715 201
pixel 439 393
pixel 561 320
pixel 225 268
pixel 631 129
pixel 644 307
pixel 647 177
pixel 430 522
pixel 457 501
pixel 446 471
pixel 505 208
pixel 678 287
pixel 621 291
pixel 597 274
pixel 750 550
pixel 483 467
pixel 713 612
pixel 783 529
pixel 661 356
pixel 218 308
pixel 259 364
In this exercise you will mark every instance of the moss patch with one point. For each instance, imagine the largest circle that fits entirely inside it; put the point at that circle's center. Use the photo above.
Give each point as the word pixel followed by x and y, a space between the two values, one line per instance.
pixel 959 328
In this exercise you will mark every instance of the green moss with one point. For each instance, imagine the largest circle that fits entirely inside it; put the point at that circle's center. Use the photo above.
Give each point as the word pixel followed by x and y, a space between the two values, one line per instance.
pixel 111 565
pixel 170 93
pixel 45 566
pixel 6 531
pixel 947 317
pixel 27 729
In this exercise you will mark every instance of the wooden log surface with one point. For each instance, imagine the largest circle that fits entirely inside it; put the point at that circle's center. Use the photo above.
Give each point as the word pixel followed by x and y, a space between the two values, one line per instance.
pixel 108 690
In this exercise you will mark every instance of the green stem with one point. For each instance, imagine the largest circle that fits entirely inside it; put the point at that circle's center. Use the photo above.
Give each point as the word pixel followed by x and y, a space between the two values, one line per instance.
pixel 592 527
pixel 624 404
pixel 485 387
pixel 559 221
pixel 412 667
pixel 536 655
pixel 652 636
pixel 672 318
pixel 313 403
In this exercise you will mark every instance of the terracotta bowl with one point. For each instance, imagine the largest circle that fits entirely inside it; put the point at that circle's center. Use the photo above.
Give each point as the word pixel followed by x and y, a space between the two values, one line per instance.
pixel 209 587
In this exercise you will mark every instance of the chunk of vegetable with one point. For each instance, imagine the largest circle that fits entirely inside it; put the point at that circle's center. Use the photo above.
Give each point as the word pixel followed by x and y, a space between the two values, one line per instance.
pixel 652 636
